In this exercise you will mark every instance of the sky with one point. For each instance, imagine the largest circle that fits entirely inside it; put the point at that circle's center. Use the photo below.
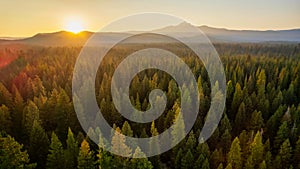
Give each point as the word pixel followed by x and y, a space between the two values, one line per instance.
pixel 19 18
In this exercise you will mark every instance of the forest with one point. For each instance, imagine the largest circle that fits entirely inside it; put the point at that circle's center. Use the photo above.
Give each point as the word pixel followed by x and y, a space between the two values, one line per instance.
pixel 259 129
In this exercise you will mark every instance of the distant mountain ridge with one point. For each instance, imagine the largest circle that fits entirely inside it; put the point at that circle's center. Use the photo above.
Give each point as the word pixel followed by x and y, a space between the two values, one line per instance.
pixel 217 35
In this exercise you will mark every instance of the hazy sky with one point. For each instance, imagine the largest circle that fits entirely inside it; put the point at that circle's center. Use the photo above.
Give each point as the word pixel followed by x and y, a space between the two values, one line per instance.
pixel 26 18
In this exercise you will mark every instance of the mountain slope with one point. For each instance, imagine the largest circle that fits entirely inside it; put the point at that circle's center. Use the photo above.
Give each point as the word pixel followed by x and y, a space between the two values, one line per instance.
pixel 64 38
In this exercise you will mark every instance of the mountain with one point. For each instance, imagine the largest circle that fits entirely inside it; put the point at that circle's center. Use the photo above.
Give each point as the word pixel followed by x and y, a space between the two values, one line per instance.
pixel 221 34
pixel 64 38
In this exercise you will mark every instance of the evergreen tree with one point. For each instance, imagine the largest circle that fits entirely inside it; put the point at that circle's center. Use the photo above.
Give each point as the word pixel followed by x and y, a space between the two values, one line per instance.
pixel 284 156
pixel 226 140
pixel 235 156
pixel 257 150
pixel 249 163
pixel 191 141
pixel 237 99
pixel 55 158
pixel 71 151
pixel 220 166
pixel 5 119
pixel 140 163
pixel 216 158
pixel 85 157
pixel 297 155
pixel 205 164
pixel 282 134
pixel 11 154
pixel 256 121
pixel 187 160
pixel 178 130
pixel 240 118
pixel 39 143
pixel 118 144
pixel 105 160
pixel 229 166
pixel 263 165
pixel 178 158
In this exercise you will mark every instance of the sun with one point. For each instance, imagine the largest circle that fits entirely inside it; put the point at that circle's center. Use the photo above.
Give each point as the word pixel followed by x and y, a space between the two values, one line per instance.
pixel 74 26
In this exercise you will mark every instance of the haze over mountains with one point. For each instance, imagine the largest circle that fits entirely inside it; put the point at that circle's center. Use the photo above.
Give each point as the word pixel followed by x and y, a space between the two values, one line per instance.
pixel 216 35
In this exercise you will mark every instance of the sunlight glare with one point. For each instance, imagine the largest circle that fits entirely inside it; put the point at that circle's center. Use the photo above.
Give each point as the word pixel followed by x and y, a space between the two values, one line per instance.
pixel 74 26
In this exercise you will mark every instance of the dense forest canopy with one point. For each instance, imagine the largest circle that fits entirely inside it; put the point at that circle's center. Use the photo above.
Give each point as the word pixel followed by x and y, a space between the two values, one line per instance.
pixel 260 127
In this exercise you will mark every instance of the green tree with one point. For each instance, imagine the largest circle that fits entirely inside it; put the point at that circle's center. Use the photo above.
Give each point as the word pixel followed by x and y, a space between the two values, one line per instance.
pixel 283 158
pixel 282 135
pixel 140 163
pixel 235 155
pixel 118 143
pixel 5 119
pixel 205 164
pixel 297 154
pixel 220 166
pixel 216 158
pixel 178 130
pixel 85 158
pixel 11 154
pixel 30 114
pixel 38 145
pixel 229 166
pixel 226 140
pixel 105 160
pixel 263 165
pixel 256 121
pixel 257 150
pixel 178 158
pixel 187 160
pixel 237 99
pixel 240 119
pixel 55 158
pixel 71 152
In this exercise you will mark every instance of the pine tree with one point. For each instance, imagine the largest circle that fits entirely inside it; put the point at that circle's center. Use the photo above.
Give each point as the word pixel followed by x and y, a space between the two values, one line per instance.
pixel 229 166
pixel 257 150
pixel 5 119
pixel 191 141
pixel 140 163
pixel 235 156
pixel 282 134
pixel 205 164
pixel 127 131
pixel 284 154
pixel 249 163
pixel 55 158
pixel 199 162
pixel 154 146
pixel 85 157
pixel 256 121
pixel 216 158
pixel 263 165
pixel 178 130
pixel 12 155
pixel 105 160
pixel 30 114
pixel 297 154
pixel 203 149
pixel 237 99
pixel 39 143
pixel 71 151
pixel 226 140
pixel 118 144
pixel 240 118
pixel 225 124
pixel 187 160
pixel 178 158
pixel 220 166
